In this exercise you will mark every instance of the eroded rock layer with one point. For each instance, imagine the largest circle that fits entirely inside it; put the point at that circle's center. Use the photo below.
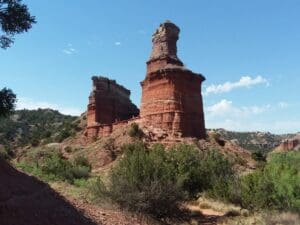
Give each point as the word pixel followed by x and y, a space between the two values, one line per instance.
pixel 171 94
pixel 109 103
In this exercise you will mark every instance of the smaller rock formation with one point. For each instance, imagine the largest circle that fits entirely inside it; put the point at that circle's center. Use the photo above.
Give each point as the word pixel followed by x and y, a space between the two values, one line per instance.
pixel 290 144
pixel 109 103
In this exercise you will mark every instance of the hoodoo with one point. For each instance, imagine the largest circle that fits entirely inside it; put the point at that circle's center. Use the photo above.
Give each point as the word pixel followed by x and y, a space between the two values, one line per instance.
pixel 171 94
pixel 171 105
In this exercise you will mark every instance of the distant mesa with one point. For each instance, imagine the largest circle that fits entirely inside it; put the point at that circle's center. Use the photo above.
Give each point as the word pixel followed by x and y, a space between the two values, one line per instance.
pixel 171 103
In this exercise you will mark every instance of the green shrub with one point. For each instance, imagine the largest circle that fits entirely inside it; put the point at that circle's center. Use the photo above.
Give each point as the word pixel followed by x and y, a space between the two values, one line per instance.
pixel 143 182
pixel 81 161
pixel 259 156
pixel 187 163
pixel 155 181
pixel 6 152
pixel 135 131
pixel 218 175
pixel 51 165
pixel 59 167
pixel 276 186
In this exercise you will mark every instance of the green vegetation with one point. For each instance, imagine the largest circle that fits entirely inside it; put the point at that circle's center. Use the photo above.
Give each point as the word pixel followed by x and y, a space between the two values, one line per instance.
pixel 7 99
pixel 52 166
pixel 254 141
pixel 135 131
pixel 32 127
pixel 15 19
pixel 276 186
pixel 6 153
pixel 155 181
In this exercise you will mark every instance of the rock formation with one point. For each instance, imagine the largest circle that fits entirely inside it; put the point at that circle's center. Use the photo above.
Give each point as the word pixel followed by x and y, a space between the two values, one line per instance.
pixel 290 144
pixel 171 105
pixel 109 103
pixel 171 94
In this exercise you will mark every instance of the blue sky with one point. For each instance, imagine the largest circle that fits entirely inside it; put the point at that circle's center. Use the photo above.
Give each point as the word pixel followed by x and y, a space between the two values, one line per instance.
pixel 249 52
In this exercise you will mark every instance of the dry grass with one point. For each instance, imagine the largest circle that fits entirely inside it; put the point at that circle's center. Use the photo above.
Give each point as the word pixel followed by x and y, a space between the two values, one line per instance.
pixel 242 220
pixel 282 219
pixel 205 203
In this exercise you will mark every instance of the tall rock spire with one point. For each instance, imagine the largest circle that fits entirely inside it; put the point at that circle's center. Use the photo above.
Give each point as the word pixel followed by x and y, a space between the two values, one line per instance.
pixel 171 102
pixel 164 47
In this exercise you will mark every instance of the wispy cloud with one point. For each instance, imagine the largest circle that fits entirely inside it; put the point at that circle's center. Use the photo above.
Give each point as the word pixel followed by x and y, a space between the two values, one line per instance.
pixel 118 43
pixel 69 50
pixel 244 82
pixel 28 103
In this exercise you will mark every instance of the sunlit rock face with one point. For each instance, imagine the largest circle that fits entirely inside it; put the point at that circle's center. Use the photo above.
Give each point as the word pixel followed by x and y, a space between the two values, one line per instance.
pixel 109 103
pixel 171 94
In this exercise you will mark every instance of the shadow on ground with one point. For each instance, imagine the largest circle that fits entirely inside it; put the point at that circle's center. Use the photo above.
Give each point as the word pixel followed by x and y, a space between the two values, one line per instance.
pixel 25 200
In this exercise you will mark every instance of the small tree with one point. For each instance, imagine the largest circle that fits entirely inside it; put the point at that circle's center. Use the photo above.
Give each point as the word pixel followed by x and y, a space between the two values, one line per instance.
pixel 7 101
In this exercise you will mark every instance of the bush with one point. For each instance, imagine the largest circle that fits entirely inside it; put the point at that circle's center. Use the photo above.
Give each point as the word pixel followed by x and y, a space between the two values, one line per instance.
pixel 218 176
pixel 53 166
pixel 276 186
pixel 259 156
pixel 155 181
pixel 187 163
pixel 143 182
pixel 135 131
pixel 6 152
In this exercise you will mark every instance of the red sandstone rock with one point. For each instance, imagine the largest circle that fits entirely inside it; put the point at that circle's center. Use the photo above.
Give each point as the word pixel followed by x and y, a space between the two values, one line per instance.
pixel 290 144
pixel 109 103
pixel 171 94
pixel 171 105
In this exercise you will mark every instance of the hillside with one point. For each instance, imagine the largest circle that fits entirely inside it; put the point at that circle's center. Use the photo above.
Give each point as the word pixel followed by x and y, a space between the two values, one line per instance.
pixel 26 200
pixel 33 127
pixel 253 141
pixel 42 126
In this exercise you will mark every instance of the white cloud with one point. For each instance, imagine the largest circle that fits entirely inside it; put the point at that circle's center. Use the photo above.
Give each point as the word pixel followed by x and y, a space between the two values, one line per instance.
pixel 28 103
pixel 224 114
pixel 225 108
pixel 117 43
pixel 244 82
pixel 69 50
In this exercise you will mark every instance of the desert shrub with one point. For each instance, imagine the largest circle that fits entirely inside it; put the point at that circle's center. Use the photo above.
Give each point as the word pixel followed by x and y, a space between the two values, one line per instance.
pixel 80 160
pixel 276 186
pixel 68 149
pixel 187 163
pixel 34 142
pixel 81 167
pixel 155 181
pixel 135 131
pixel 218 176
pixel 63 135
pixel 6 152
pixel 143 182
pixel 56 165
pixel 259 156
pixel 51 165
